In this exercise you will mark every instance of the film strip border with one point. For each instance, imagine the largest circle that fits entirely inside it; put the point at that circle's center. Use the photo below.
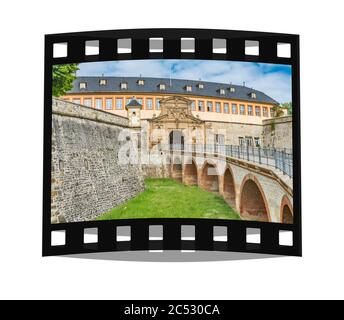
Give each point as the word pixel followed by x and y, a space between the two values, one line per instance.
pixel 172 234
pixel 172 44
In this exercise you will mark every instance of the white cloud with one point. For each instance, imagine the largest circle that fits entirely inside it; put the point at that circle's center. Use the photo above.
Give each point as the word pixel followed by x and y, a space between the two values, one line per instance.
pixel 274 80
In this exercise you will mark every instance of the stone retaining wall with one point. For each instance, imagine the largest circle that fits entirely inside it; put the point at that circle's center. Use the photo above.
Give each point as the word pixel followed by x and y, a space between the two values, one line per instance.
pixel 277 132
pixel 87 178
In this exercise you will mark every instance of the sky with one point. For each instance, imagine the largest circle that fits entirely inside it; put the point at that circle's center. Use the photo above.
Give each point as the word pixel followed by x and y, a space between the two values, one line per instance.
pixel 272 79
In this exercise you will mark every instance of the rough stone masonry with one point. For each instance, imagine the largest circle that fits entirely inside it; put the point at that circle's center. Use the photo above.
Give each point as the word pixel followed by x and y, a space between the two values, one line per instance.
pixel 87 179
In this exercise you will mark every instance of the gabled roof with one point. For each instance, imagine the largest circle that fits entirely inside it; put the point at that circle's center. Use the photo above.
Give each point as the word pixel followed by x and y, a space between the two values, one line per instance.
pixel 173 86
pixel 134 103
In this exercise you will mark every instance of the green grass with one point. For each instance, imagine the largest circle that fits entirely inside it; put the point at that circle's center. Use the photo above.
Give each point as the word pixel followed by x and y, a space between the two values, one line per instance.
pixel 166 198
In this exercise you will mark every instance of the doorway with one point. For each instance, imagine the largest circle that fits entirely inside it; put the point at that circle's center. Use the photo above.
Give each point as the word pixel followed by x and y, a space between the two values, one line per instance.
pixel 176 140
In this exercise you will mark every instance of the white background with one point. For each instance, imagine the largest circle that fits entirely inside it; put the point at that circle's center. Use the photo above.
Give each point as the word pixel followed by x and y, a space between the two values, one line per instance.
pixel 25 274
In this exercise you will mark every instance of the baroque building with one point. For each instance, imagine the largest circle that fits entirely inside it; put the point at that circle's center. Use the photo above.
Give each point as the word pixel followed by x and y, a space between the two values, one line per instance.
pixel 186 112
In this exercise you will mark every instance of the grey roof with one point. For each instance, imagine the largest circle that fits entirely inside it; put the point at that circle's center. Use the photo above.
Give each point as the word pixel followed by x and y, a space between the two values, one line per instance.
pixel 178 86
pixel 134 103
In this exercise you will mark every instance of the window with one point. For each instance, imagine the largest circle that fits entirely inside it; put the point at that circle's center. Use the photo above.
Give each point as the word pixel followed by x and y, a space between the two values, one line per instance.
pixel 222 91
pixel 124 85
pixel 241 141
pixel 200 105
pixel 157 104
pixel 119 103
pixel 99 103
pixel 102 82
pixel 257 142
pixel 88 102
pixel 218 107
pixel 108 103
pixel 82 85
pixel 234 108
pixel 76 101
pixel 139 100
pixel 272 112
pixel 231 89
pixel 257 110
pixel 219 139
pixel 200 86
pixel 188 88
pixel 149 103
pixel 226 108
pixel 249 141
pixel 193 106
pixel 242 109
pixel 209 106
pixel 265 111
pixel 253 95
pixel 141 82
pixel 162 86
pixel 250 110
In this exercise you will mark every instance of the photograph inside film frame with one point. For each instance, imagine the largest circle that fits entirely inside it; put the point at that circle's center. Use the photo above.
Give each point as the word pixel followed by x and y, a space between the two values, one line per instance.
pixel 171 139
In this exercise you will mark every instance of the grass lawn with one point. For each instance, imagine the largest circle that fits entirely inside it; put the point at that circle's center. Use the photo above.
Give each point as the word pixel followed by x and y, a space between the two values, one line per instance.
pixel 166 198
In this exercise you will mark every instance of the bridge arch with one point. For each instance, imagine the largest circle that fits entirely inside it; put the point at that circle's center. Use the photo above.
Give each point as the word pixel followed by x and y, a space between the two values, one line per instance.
pixel 253 203
pixel 286 215
pixel 229 186
pixel 209 177
pixel 190 176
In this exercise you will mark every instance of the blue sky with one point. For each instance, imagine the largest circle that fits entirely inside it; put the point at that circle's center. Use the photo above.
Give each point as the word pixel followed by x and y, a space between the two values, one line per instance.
pixel 274 80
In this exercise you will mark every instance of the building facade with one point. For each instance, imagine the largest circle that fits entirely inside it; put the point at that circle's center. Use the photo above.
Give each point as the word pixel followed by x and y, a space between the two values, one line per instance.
pixel 176 111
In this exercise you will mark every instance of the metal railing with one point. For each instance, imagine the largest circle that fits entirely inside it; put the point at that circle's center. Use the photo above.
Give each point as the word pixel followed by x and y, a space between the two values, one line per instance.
pixel 281 159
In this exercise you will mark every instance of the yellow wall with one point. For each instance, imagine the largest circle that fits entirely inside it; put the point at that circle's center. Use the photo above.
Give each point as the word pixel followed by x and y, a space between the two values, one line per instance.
pixel 205 115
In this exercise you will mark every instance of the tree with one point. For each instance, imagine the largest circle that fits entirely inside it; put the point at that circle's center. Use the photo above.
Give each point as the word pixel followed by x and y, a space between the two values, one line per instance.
pixel 277 111
pixel 289 106
pixel 63 77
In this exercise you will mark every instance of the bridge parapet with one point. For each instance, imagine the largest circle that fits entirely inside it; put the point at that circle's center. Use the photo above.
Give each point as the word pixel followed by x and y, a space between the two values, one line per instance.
pixel 280 159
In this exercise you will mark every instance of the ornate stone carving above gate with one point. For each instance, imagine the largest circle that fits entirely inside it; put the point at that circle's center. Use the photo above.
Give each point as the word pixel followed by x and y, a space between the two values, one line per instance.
pixel 176 109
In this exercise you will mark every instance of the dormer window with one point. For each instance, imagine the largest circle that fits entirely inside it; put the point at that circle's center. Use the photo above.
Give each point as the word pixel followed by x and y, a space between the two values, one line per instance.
pixel 231 89
pixel 253 95
pixel 82 85
pixel 162 86
pixel 222 91
pixel 188 88
pixel 102 82
pixel 124 85
pixel 141 82
pixel 200 86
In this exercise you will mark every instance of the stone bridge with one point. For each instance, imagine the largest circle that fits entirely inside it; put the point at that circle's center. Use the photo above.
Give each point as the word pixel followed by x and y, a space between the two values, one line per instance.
pixel 257 192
